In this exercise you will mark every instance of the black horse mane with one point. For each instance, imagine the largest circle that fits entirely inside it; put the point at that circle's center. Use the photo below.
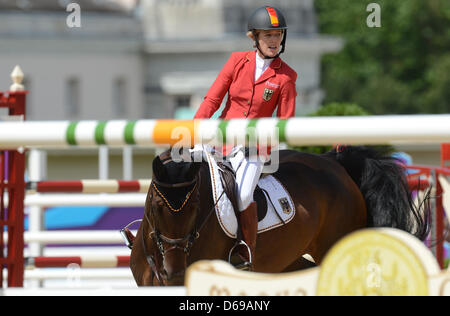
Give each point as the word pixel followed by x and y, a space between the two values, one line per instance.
pixel 383 183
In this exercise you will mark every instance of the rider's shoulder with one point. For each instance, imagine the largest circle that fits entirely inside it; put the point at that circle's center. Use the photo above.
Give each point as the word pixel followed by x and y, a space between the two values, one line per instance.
pixel 288 71
pixel 241 55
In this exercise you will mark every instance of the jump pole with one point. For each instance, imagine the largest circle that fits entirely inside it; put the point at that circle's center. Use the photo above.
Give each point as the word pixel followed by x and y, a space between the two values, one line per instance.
pixel 132 186
pixel 81 237
pixel 90 186
pixel 385 129
pixel 102 261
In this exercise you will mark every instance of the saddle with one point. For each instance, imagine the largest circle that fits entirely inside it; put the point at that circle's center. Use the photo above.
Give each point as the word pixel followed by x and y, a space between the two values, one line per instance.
pixel 228 179
pixel 269 190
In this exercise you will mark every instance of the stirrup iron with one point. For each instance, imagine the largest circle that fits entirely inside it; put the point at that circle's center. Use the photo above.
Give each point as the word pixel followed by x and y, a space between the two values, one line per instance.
pixel 127 235
pixel 246 266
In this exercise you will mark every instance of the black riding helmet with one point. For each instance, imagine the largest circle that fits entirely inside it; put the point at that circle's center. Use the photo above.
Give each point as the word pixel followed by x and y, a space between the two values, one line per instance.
pixel 268 18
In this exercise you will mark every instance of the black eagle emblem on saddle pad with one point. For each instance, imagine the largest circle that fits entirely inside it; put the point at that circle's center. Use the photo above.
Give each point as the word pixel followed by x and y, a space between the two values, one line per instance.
pixel 267 95
pixel 285 205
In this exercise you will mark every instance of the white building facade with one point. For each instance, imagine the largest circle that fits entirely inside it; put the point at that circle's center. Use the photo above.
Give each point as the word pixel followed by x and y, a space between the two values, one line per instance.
pixel 88 72
pixel 155 60
pixel 188 41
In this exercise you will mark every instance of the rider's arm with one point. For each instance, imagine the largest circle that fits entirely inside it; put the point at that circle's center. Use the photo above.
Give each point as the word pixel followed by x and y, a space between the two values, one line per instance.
pixel 217 92
pixel 286 105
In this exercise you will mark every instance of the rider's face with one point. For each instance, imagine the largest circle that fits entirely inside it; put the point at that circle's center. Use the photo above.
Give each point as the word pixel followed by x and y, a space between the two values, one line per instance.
pixel 270 42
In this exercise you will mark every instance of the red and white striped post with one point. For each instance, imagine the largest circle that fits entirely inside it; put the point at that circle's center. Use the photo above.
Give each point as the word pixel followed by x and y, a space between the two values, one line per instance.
pixel 445 155
pixel 12 171
pixel 437 205
pixel 445 164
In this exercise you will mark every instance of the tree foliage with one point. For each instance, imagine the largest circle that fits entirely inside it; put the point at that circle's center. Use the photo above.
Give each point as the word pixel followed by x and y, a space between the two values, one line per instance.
pixel 332 109
pixel 339 109
pixel 402 67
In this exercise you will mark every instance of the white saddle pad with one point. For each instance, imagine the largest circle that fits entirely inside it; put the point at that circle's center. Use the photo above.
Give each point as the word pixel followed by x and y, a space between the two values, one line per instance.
pixel 281 199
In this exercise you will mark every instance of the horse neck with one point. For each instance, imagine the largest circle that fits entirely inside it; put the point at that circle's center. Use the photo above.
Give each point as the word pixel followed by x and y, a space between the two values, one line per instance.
pixel 206 200
pixel 211 230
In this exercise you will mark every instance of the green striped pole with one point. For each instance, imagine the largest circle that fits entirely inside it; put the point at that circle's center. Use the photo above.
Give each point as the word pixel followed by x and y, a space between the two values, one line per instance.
pixel 141 133
pixel 294 131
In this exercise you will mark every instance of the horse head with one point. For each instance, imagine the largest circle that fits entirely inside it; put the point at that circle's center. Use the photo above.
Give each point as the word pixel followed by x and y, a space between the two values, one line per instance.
pixel 172 210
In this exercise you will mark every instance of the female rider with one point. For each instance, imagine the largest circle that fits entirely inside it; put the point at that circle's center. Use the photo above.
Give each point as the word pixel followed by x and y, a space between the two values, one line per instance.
pixel 257 82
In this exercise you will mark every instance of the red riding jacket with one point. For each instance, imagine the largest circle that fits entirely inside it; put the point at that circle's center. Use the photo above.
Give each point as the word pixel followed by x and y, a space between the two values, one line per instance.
pixel 247 98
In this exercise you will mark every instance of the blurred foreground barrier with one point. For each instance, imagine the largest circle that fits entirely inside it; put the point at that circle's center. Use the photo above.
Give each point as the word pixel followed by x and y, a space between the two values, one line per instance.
pixel 367 262
pixel 298 131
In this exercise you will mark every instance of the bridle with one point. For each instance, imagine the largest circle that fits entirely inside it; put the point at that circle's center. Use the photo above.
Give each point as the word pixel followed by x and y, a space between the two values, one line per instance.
pixel 176 185
pixel 185 243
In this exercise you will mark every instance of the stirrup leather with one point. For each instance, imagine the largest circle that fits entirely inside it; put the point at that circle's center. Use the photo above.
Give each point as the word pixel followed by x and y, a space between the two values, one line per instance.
pixel 246 265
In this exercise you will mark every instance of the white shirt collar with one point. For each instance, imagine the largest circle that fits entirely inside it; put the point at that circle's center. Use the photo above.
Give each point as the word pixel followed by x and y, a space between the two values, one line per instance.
pixel 261 66
pixel 262 63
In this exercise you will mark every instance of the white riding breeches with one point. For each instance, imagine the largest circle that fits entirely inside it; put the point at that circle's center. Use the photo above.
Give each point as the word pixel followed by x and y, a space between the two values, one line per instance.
pixel 248 171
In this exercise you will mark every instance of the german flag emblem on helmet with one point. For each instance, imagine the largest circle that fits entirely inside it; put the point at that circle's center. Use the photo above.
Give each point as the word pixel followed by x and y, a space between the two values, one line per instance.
pixel 273 16
pixel 267 18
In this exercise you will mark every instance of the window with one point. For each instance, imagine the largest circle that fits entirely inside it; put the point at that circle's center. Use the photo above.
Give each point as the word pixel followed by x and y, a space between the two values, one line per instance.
pixel 73 97
pixel 182 101
pixel 182 107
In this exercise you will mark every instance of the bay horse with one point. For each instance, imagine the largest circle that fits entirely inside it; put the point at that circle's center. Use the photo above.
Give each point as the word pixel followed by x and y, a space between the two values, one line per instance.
pixel 334 194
